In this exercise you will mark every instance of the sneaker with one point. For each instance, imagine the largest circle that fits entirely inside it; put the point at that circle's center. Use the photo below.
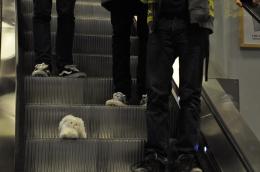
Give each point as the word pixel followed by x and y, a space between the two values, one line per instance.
pixel 186 163
pixel 119 99
pixel 150 164
pixel 143 101
pixel 41 70
pixel 71 71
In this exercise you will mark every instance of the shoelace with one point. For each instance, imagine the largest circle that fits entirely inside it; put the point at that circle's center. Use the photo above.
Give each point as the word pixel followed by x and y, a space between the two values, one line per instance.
pixel 119 96
pixel 41 66
pixel 72 67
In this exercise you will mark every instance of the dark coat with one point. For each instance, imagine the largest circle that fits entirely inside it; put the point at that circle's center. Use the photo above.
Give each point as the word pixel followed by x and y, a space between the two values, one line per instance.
pixel 107 4
pixel 121 5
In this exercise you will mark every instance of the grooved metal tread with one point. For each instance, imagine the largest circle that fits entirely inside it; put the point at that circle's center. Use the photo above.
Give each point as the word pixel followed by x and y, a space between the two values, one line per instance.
pixel 83 25
pixel 84 8
pixel 92 65
pixel 100 121
pixel 55 155
pixel 57 90
pixel 83 43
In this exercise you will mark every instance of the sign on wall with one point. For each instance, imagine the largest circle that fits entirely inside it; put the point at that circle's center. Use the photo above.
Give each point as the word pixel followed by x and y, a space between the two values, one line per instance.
pixel 249 31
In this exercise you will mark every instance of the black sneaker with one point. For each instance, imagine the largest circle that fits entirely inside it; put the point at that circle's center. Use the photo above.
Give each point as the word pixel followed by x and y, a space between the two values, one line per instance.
pixel 41 70
pixel 150 164
pixel 71 71
pixel 186 163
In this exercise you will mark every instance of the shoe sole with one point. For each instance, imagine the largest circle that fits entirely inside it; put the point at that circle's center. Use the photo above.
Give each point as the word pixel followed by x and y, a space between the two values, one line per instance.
pixel 196 170
pixel 40 74
pixel 115 103
pixel 75 75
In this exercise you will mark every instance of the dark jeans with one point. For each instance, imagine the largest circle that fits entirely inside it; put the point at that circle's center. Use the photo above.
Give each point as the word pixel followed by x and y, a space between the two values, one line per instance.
pixel 122 21
pixel 174 38
pixel 42 32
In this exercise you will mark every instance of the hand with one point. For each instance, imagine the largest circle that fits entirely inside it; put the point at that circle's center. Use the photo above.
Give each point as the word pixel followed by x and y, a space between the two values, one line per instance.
pixel 239 3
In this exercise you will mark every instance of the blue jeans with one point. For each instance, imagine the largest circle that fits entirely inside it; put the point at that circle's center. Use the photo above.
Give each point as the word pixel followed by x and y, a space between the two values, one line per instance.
pixel 173 38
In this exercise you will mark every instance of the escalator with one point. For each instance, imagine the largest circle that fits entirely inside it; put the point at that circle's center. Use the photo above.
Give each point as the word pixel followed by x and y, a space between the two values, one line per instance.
pixel 115 136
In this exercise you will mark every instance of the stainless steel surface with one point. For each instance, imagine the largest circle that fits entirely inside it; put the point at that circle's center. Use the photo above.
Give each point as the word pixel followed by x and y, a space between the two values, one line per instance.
pixel 224 154
pixel 7 88
pixel 243 139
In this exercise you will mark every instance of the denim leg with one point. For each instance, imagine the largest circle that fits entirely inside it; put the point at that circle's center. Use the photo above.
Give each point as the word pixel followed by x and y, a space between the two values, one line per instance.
pixel 65 32
pixel 121 23
pixel 159 72
pixel 191 74
pixel 142 32
pixel 41 30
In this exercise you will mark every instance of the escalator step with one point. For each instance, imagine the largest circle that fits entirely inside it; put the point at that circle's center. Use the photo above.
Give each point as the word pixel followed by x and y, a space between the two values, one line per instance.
pixel 92 65
pixel 82 155
pixel 55 90
pixel 100 121
pixel 83 25
pixel 84 8
pixel 91 44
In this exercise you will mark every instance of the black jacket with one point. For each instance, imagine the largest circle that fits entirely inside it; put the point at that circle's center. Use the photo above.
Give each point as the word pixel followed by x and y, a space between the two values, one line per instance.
pixel 107 4
pixel 125 5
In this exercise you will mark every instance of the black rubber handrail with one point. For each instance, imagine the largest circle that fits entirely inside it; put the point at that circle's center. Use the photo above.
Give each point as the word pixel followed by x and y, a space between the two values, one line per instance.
pixel 230 120
pixel 253 10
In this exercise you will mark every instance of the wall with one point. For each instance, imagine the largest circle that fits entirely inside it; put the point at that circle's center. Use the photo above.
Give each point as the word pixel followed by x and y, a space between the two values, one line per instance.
pixel 229 61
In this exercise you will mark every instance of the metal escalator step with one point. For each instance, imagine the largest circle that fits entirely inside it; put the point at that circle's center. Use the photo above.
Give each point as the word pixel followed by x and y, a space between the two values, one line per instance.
pixel 83 25
pixel 54 155
pixel 56 90
pixel 91 44
pixel 82 8
pixel 92 65
pixel 100 121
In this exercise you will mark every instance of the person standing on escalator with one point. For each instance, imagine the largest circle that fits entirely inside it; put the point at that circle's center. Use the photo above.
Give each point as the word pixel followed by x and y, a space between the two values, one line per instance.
pixel 179 28
pixel 122 13
pixel 64 38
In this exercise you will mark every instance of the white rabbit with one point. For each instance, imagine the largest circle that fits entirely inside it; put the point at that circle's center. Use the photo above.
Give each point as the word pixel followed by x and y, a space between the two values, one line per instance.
pixel 72 127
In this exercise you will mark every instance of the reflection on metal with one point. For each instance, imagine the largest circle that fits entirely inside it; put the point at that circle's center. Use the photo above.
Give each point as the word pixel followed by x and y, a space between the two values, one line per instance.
pixel 224 155
pixel 7 87
pixel 241 137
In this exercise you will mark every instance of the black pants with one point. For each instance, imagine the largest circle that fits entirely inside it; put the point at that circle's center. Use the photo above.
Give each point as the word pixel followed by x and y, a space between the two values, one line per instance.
pixel 42 33
pixel 174 38
pixel 122 21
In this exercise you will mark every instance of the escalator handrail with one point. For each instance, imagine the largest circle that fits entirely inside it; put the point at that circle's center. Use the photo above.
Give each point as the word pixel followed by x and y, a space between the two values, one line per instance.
pixel 224 120
pixel 233 125
pixel 252 10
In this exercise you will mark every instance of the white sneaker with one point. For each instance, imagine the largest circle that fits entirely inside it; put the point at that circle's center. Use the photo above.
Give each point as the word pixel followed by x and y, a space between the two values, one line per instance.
pixel 72 127
pixel 144 99
pixel 119 99
pixel 41 70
